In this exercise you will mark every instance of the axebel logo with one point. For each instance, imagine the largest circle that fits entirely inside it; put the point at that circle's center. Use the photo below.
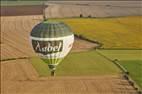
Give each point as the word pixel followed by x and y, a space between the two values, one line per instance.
pixel 46 47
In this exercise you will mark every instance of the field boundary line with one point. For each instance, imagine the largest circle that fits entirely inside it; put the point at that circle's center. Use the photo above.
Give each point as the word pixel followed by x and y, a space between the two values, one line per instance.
pixel 120 49
pixel 124 70
pixel 9 59
pixel 125 73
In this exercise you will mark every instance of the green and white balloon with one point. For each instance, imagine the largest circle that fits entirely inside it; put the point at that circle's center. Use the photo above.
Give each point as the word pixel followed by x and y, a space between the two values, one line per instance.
pixel 52 41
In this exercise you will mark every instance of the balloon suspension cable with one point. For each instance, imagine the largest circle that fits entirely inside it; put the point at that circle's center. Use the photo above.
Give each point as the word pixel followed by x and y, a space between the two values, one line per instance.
pixel 44 12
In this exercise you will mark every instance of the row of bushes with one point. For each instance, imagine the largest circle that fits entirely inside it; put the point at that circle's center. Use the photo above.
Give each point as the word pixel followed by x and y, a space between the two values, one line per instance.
pixel 125 73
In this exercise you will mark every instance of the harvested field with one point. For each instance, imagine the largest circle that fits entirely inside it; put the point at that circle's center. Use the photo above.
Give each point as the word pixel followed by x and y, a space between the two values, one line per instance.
pixel 61 9
pixel 15 42
pixel 21 10
pixel 82 45
pixel 19 77
pixel 17 70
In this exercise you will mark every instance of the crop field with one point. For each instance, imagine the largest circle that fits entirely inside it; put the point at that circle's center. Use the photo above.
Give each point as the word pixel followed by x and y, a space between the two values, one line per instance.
pixel 19 77
pixel 12 47
pixel 84 70
pixel 130 59
pixel 123 54
pixel 18 74
pixel 75 66
pixel 135 69
pixel 132 39
pixel 120 32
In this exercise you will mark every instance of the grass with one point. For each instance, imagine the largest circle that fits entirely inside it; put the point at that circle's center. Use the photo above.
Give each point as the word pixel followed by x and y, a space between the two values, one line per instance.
pixel 79 64
pixel 135 69
pixel 130 59
pixel 123 54
pixel 120 32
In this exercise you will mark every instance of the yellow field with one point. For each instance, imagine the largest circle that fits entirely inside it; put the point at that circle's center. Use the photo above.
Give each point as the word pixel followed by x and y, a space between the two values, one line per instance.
pixel 120 32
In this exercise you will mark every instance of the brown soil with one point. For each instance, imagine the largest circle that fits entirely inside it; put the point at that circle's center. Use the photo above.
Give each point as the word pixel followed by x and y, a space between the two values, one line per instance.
pixel 19 77
pixel 82 45
pixel 21 10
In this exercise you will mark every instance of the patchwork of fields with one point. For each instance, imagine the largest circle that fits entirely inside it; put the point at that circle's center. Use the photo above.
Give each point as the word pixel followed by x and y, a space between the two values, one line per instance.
pixel 94 64
pixel 19 74
pixel 84 70
pixel 130 59
pixel 15 32
pixel 86 63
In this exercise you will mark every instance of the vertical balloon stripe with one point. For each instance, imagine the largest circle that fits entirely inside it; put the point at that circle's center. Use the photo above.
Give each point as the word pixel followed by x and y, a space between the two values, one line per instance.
pixel 50 35
pixel 56 30
pixel 55 43
pixel 53 63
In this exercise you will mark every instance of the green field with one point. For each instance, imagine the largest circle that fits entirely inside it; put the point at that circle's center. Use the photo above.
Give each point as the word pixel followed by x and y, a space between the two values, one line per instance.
pixel 79 64
pixel 119 32
pixel 130 59
pixel 123 54
pixel 135 69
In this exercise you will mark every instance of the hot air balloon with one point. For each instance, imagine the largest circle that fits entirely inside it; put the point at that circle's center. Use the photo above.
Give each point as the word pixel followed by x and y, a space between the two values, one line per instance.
pixel 52 41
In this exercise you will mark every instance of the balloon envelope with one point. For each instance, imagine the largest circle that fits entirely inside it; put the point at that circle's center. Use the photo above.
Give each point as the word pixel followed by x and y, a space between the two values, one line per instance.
pixel 52 41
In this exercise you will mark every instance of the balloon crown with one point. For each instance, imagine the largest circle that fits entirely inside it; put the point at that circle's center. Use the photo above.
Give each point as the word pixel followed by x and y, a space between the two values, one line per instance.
pixel 51 29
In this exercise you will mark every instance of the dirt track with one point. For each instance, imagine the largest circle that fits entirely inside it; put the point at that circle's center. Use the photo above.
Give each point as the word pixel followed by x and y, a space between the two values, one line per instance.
pixel 19 77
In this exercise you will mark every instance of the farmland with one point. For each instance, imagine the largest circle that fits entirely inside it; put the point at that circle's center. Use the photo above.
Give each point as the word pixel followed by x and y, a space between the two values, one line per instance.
pixel 130 59
pixel 85 70
pixel 134 67
pixel 18 74
pixel 68 9
pixel 73 65
pixel 120 32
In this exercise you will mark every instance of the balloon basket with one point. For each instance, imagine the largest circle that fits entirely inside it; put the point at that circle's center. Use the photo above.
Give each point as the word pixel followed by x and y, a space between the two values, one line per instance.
pixel 53 73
